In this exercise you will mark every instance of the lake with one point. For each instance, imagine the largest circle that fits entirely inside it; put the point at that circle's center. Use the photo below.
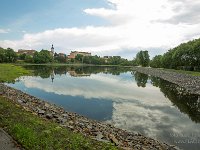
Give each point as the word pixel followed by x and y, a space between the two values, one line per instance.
pixel 121 96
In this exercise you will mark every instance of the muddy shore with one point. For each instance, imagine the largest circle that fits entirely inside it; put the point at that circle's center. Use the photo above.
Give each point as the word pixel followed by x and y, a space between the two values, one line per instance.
pixel 77 123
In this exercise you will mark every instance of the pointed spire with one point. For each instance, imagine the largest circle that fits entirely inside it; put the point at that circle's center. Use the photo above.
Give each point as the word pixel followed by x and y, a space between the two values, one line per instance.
pixel 52 49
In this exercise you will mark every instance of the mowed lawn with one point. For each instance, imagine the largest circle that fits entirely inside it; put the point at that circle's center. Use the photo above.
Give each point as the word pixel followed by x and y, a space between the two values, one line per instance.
pixel 9 72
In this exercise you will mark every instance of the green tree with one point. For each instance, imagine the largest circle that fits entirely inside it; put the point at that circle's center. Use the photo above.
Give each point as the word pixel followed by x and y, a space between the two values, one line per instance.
pixel 142 58
pixel 115 60
pixel 43 56
pixel 134 62
pixel 72 60
pixel 167 60
pixel 28 59
pixel 36 57
pixel 156 61
pixel 87 59
pixel 125 62
pixel 79 58
pixel 2 55
pixel 185 56
pixel 22 56
pixel 10 55
pixel 95 60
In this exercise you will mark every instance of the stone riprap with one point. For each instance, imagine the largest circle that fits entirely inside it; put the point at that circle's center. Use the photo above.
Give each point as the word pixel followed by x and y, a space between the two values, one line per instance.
pixel 97 130
pixel 189 82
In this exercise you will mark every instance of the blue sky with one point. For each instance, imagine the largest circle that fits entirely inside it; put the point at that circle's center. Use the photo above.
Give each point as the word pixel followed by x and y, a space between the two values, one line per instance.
pixel 38 15
pixel 103 27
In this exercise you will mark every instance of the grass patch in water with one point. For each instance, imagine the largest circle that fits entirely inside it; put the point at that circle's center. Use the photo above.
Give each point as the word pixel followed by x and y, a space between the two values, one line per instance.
pixel 9 72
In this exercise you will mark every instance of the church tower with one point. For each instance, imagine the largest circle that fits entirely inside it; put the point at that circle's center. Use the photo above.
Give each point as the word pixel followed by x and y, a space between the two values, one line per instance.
pixel 52 75
pixel 52 50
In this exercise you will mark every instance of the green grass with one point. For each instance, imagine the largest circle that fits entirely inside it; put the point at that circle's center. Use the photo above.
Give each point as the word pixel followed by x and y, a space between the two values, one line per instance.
pixel 9 72
pixel 35 133
pixel 193 73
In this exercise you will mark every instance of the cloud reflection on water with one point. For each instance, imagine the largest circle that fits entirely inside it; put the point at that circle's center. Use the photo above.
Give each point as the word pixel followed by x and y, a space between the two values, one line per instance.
pixel 100 86
pixel 145 110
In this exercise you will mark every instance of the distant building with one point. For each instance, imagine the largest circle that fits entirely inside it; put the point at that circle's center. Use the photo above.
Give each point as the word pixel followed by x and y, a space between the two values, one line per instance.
pixel 52 50
pixel 27 52
pixel 62 55
pixel 106 58
pixel 73 54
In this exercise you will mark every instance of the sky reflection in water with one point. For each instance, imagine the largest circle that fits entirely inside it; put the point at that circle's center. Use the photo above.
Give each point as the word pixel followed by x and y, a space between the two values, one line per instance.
pixel 160 113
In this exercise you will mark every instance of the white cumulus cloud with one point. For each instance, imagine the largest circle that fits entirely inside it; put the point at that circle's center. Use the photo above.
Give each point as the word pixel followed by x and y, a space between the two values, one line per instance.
pixel 134 25
pixel 4 31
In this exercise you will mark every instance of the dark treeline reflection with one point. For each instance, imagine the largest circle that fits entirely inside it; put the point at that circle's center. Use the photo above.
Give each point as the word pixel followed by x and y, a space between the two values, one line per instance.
pixel 76 71
pixel 185 102
pixel 140 78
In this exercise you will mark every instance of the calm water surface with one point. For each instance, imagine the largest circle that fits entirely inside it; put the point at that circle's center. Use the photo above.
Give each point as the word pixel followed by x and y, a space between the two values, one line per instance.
pixel 125 98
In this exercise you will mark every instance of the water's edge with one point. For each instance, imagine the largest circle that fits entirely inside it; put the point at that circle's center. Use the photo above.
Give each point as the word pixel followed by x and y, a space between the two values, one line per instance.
pixel 189 82
pixel 77 123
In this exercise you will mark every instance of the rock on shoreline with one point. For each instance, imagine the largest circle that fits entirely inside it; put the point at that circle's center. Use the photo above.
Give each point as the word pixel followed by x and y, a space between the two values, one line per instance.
pixel 189 82
pixel 77 123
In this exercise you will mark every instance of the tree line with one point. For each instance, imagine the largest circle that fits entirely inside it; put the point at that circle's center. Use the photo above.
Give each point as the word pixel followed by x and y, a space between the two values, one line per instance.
pixel 44 56
pixel 185 56
pixel 97 60
pixel 10 56
pixel 7 55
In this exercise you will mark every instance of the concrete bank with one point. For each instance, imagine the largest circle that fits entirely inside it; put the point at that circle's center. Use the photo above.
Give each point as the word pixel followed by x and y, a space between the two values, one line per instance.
pixel 77 123
pixel 189 82
pixel 6 142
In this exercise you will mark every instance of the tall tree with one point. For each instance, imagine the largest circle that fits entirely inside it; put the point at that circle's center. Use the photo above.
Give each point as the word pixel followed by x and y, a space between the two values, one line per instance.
pixel 185 56
pixel 10 55
pixel 142 58
pixel 28 59
pixel 43 56
pixel 156 61
pixel 22 56
pixel 2 55
pixel 79 58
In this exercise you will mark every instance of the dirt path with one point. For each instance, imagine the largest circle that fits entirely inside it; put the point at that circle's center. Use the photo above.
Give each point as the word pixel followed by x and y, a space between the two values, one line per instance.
pixel 6 141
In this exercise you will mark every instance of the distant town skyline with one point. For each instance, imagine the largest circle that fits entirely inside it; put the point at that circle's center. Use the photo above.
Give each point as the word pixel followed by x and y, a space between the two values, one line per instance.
pixel 102 27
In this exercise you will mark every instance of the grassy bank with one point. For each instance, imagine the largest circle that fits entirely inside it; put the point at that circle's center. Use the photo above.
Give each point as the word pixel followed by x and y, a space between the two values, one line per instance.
pixel 35 133
pixel 193 73
pixel 9 72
